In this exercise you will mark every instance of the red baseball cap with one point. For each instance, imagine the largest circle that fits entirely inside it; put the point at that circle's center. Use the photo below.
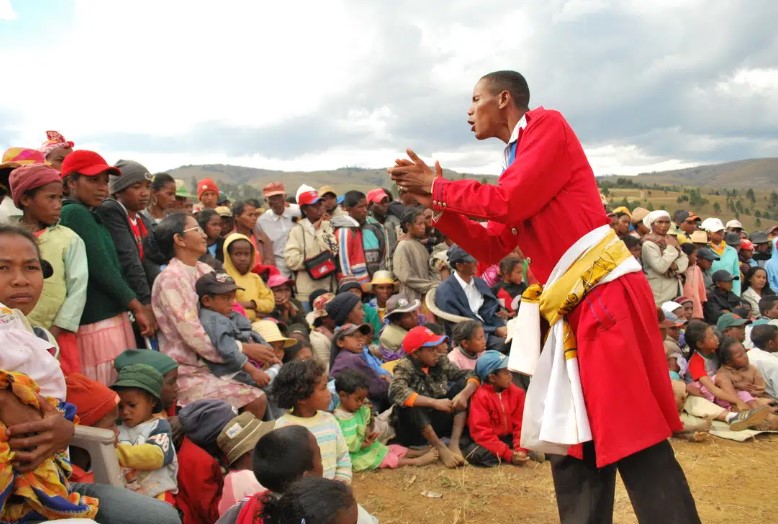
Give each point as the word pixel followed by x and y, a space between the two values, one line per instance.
pixel 87 163
pixel 419 337
pixel 746 244
pixel 376 195
pixel 307 198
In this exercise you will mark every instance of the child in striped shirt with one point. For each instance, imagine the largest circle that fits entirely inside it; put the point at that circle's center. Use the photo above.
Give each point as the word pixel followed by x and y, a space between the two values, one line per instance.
pixel 356 423
pixel 301 387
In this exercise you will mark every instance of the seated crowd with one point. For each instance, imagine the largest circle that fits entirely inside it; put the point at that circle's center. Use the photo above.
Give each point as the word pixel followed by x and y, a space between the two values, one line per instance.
pixel 249 360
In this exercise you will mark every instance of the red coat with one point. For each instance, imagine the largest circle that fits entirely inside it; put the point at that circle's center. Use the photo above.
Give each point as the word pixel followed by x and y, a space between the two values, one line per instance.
pixel 545 202
pixel 492 416
pixel 200 483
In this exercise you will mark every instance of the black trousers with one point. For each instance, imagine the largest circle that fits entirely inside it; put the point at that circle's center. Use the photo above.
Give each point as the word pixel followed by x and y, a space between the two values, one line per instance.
pixel 654 480
pixel 408 422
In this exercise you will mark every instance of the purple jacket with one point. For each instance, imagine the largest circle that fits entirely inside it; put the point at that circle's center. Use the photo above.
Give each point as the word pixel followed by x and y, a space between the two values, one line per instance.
pixel 378 389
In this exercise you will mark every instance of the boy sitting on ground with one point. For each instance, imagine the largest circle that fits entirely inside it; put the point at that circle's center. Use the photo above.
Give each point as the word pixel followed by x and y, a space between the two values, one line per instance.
pixel 495 414
pixel 227 329
pixel 430 396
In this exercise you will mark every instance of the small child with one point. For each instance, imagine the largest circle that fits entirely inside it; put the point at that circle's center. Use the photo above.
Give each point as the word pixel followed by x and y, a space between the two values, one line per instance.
pixel 166 366
pixel 508 291
pixel 253 295
pixel 469 344
pixel 357 424
pixel 145 443
pixel 495 414
pixel 236 442
pixel 37 190
pixel 430 396
pixel 227 329
pixel 738 376
pixel 269 331
pixel 301 387
pixel 349 353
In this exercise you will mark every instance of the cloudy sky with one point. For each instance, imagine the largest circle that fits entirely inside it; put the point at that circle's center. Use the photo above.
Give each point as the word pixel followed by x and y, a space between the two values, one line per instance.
pixel 647 85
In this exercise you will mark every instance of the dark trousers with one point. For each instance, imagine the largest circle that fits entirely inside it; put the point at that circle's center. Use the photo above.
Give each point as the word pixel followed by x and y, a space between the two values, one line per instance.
pixel 654 480
pixel 480 456
pixel 409 421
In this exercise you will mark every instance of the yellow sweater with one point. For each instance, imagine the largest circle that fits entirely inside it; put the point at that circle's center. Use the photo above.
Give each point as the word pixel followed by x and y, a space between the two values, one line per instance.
pixel 254 287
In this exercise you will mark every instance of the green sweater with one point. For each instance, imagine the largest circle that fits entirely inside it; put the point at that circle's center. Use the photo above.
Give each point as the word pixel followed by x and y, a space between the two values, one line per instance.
pixel 354 428
pixel 107 293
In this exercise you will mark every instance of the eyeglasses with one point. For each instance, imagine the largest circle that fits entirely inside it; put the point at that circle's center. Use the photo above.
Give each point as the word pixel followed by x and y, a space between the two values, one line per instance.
pixel 198 228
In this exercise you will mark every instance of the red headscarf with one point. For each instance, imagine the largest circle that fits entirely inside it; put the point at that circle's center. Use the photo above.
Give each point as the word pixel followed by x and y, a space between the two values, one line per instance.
pixel 92 399
pixel 30 177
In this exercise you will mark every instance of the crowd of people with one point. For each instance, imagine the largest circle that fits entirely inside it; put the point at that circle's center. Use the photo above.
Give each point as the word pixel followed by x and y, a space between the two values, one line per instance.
pixel 251 355
pixel 714 286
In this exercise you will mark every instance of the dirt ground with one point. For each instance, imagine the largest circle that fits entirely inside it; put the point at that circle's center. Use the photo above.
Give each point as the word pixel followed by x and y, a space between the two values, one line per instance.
pixel 731 482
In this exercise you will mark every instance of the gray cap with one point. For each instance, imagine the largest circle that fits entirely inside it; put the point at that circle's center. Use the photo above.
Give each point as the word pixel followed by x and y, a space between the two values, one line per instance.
pixel 722 275
pixel 759 237
pixel 707 254
pixel 457 254
pixel 732 239
pixel 132 173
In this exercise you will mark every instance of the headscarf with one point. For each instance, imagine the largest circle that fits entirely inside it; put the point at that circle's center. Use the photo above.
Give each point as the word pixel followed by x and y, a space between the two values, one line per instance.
pixel 55 140
pixel 92 399
pixel 653 216
pixel 29 177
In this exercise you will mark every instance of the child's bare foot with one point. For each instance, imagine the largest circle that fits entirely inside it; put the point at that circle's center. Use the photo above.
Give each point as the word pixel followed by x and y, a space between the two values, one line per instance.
pixel 415 453
pixel 428 458
pixel 458 452
pixel 449 458
pixel 691 436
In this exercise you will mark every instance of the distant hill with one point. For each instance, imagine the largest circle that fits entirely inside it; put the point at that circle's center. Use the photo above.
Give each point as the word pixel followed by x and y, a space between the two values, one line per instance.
pixel 757 173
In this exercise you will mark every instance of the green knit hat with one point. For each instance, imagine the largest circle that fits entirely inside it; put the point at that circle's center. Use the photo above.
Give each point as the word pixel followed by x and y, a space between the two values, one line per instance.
pixel 140 376
pixel 155 359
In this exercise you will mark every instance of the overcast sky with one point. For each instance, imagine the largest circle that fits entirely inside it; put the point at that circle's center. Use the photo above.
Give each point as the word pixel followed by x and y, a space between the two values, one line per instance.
pixel 647 85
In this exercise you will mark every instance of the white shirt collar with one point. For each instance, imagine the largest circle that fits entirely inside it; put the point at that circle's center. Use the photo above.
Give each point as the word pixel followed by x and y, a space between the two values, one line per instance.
pixel 522 123
pixel 462 281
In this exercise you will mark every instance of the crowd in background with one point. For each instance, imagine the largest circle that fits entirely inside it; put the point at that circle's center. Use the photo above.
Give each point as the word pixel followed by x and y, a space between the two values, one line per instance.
pixel 239 347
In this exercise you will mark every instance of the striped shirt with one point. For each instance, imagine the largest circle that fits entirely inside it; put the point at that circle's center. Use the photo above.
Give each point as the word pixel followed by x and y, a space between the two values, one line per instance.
pixel 335 458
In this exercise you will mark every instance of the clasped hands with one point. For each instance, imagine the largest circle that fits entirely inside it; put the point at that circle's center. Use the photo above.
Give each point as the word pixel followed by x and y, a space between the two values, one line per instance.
pixel 415 176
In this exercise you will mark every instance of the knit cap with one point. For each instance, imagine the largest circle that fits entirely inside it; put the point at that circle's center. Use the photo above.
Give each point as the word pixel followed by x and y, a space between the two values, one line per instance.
pixel 241 434
pixel 140 376
pixel 131 173
pixel 206 184
pixel 203 420
pixel 339 307
pixel 159 361
pixel 92 399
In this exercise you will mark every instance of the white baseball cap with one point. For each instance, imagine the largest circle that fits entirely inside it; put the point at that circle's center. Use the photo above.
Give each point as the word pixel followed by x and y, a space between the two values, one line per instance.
pixel 712 225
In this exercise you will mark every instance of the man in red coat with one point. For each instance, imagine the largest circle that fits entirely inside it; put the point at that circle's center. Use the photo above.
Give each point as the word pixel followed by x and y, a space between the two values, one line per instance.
pixel 545 201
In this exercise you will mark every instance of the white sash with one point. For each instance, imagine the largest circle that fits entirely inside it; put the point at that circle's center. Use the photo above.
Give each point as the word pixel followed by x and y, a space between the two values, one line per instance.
pixel 555 416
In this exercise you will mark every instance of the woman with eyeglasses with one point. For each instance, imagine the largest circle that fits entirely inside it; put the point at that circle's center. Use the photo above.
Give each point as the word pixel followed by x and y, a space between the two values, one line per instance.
pixel 180 241
pixel 105 329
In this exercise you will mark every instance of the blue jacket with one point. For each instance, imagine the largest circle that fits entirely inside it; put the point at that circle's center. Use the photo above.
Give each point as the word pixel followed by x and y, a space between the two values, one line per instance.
pixel 451 298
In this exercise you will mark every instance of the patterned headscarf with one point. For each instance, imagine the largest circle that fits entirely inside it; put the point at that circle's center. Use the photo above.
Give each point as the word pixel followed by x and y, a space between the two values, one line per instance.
pixel 55 140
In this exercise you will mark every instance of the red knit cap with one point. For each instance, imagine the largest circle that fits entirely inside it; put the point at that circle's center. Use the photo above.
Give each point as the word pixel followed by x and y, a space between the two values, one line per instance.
pixel 93 400
pixel 206 184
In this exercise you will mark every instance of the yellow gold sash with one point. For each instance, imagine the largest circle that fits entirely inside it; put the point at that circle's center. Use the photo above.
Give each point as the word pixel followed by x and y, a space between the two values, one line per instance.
pixel 561 297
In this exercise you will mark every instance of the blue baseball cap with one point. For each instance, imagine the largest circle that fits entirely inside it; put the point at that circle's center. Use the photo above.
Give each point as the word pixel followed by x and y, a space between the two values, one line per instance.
pixel 489 362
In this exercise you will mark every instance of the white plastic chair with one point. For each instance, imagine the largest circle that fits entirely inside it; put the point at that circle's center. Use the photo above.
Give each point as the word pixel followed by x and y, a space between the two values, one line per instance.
pixel 99 443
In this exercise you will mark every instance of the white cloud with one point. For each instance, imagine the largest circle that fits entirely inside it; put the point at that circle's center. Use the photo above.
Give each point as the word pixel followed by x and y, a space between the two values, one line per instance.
pixel 6 10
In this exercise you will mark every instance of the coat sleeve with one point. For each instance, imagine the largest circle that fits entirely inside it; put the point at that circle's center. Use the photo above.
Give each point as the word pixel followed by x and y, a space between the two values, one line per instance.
pixel 102 271
pixel 76 280
pixel 480 425
pixel 525 187
pixel 400 387
pixel 658 261
pixel 264 300
pixel 115 219
pixel 157 452
pixel 294 254
pixel 221 337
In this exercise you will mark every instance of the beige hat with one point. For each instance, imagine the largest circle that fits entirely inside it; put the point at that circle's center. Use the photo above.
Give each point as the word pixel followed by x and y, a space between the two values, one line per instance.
pixel 699 237
pixel 268 330
pixel 241 435
pixel 323 190
pixel 638 214
pixel 223 211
